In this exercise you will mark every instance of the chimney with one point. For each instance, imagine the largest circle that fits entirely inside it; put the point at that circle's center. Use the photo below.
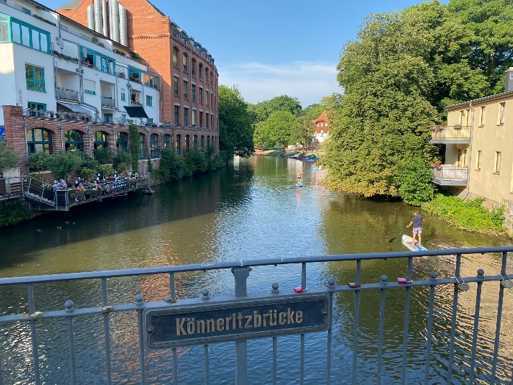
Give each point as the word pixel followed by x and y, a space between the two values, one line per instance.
pixel 509 79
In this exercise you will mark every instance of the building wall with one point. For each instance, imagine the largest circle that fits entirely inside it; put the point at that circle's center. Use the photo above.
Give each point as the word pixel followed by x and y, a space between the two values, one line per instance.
pixel 488 138
pixel 7 78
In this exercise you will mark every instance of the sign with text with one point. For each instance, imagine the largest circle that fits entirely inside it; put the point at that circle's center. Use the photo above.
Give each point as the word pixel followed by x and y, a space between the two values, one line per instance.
pixel 226 321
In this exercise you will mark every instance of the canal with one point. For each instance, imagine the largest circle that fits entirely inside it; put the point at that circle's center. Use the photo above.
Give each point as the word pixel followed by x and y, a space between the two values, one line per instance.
pixel 251 210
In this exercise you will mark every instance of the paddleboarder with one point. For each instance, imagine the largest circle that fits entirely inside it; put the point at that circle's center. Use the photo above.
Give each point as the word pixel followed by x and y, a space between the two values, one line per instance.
pixel 416 223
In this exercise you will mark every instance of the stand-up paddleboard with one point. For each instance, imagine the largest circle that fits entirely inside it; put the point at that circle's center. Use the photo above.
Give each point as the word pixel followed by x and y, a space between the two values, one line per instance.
pixel 409 243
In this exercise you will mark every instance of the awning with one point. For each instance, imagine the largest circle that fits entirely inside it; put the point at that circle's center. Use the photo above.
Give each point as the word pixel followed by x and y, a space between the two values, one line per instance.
pixel 71 107
pixel 136 112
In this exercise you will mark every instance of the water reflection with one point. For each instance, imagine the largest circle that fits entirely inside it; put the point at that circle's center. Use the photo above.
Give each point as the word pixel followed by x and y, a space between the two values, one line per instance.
pixel 253 210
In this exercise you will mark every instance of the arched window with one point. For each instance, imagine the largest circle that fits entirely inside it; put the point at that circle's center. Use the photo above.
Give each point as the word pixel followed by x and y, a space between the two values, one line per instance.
pixel 39 140
pixel 175 56
pixel 101 140
pixel 167 141
pixel 122 143
pixel 178 144
pixel 195 139
pixel 208 141
pixel 142 146
pixel 74 141
pixel 154 146
pixel 202 142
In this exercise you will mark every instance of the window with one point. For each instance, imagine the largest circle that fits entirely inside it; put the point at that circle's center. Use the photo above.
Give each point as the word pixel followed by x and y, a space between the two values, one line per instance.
pixel 201 95
pixel 185 61
pixel 154 146
pixel 478 160
pixel 167 141
pixel 176 86
pixel 206 98
pixel 122 143
pixel 134 74
pixel 200 70
pixel 177 115
pixel 179 144
pixel 195 141
pixel 186 117
pixel 212 122
pixel 462 117
pixel 500 117
pixel 187 143
pixel 149 101
pixel 194 117
pixel 175 56
pixel 201 119
pixel 35 77
pixel 123 95
pixel 103 63
pixel 38 107
pixel 74 141
pixel 194 93
pixel 25 36
pixel 207 120
pixel 142 146
pixel 101 140
pixel 482 116
pixel 498 163
pixel 202 141
pixel 186 89
pixel 193 67
pixel 39 140
pixel 108 117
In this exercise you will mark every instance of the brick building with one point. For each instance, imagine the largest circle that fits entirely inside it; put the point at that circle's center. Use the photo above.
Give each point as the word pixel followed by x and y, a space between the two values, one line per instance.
pixel 189 77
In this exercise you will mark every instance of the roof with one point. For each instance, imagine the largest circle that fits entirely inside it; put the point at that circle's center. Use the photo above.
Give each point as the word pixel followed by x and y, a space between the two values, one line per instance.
pixel 323 118
pixel 485 99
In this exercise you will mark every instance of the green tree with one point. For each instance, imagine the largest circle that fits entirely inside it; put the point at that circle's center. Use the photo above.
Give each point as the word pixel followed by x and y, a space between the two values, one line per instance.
pixel 8 158
pixel 64 164
pixel 265 109
pixel 134 140
pixel 398 76
pixel 276 130
pixel 235 123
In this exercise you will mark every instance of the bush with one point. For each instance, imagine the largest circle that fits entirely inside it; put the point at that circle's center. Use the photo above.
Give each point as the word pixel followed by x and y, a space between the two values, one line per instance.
pixel 39 162
pixel 103 155
pixel 106 170
pixel 87 173
pixel 467 214
pixel 121 161
pixel 172 166
pixel 197 162
pixel 415 182
pixel 8 158
pixel 13 212
pixel 134 142
pixel 64 164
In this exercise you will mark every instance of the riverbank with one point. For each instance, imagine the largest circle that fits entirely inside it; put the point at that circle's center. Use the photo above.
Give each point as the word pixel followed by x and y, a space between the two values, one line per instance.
pixel 469 215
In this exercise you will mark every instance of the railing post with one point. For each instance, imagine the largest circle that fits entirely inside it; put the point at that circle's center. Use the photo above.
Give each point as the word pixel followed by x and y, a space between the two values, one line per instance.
pixel 241 275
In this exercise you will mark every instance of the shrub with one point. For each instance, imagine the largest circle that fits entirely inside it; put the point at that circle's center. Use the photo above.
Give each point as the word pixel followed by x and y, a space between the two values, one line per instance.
pixel 13 212
pixel 87 173
pixel 172 166
pixel 39 162
pixel 466 214
pixel 415 181
pixel 106 170
pixel 8 158
pixel 121 161
pixel 197 161
pixel 134 146
pixel 64 164
pixel 103 155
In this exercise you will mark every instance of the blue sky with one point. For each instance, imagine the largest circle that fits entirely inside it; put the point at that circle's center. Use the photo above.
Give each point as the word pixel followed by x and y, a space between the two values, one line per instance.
pixel 272 47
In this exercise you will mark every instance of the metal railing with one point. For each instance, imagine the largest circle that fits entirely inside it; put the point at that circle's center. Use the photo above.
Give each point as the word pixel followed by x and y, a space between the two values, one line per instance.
pixel 108 101
pixel 449 175
pixel 451 134
pixel 108 309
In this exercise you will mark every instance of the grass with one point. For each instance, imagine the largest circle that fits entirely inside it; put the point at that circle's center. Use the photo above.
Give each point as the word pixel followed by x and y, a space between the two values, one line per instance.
pixel 468 215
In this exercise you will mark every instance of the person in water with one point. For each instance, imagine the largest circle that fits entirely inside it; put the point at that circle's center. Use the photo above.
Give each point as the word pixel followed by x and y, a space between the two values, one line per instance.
pixel 416 223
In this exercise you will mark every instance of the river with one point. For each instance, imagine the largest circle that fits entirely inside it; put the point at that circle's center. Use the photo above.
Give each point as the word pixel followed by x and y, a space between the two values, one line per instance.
pixel 251 210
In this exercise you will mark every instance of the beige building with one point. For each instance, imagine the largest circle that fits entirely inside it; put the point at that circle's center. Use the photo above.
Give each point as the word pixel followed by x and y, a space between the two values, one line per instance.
pixel 476 147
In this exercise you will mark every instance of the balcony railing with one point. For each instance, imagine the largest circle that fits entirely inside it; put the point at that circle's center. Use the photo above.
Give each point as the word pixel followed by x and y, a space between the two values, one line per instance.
pixel 457 134
pixel 108 101
pixel 67 94
pixel 449 175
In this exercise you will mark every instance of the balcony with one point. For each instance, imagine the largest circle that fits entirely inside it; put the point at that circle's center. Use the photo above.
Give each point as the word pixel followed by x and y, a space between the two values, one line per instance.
pixel 449 175
pixel 457 134
pixel 108 102
pixel 67 94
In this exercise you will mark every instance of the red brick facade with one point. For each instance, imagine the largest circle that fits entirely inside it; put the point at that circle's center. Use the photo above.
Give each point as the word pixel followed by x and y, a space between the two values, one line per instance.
pixel 18 126
pixel 154 37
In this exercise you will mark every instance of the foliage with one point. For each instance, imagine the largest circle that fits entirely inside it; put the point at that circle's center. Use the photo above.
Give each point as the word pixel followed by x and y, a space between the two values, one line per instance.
pixel 13 212
pixel 106 170
pixel 87 173
pixel 134 146
pixel 398 77
pixel 304 132
pixel 172 166
pixel 121 161
pixel 8 158
pixel 276 130
pixel 196 161
pixel 235 123
pixel 467 214
pixel 414 182
pixel 103 155
pixel 265 109
pixel 63 164
pixel 39 162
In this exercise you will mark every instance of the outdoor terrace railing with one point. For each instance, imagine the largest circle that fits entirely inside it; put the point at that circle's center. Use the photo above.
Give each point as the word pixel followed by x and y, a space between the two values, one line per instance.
pixel 457 134
pixel 67 94
pixel 449 175
pixel 108 309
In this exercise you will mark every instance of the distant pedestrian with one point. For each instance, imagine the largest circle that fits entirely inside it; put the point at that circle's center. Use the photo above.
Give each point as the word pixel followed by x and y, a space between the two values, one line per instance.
pixel 416 223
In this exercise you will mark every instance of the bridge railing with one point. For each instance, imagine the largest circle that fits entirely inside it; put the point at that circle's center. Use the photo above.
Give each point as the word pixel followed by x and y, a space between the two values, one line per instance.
pixel 108 307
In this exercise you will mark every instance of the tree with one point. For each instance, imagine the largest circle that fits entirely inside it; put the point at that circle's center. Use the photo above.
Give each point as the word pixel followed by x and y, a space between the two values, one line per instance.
pixel 276 131
pixel 399 75
pixel 63 164
pixel 8 158
pixel 264 110
pixel 134 140
pixel 235 123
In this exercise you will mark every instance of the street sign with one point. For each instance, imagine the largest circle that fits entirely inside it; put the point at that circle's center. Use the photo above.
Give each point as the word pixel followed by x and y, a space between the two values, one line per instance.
pixel 205 323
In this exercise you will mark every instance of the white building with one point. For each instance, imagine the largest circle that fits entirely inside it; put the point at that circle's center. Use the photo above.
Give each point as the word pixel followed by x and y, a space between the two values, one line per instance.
pixel 51 63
